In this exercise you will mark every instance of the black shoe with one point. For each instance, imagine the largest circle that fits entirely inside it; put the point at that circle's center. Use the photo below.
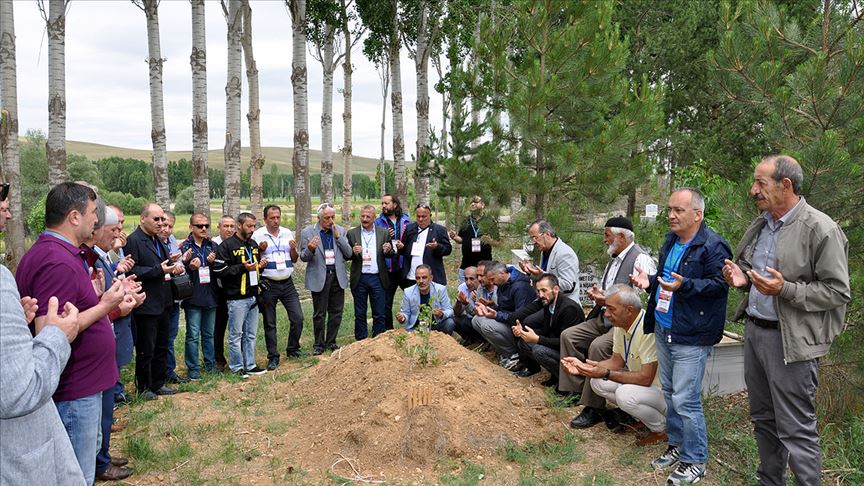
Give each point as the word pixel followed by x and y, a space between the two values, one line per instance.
pixel 272 364
pixel 165 391
pixel 525 372
pixel 176 380
pixel 296 354
pixel 552 381
pixel 256 371
pixel 332 347
pixel 588 418
pixel 318 351
pixel 610 418
pixel 148 395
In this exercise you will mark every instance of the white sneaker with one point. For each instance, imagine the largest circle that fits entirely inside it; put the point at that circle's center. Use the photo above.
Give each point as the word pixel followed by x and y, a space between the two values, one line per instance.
pixel 667 459
pixel 510 363
pixel 686 474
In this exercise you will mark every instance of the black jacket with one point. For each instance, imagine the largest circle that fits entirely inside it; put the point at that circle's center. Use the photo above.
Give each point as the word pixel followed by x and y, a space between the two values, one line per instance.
pixel 433 258
pixel 515 294
pixel 228 266
pixel 203 295
pixel 148 271
pixel 568 313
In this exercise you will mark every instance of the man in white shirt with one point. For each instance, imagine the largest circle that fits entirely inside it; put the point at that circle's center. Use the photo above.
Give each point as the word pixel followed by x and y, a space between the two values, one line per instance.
pixel 280 248
pixel 369 275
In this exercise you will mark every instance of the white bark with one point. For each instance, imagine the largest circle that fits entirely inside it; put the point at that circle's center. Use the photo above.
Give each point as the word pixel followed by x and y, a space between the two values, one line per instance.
pixel 300 159
pixel 198 60
pixel 157 109
pixel 396 104
pixel 421 60
pixel 347 144
pixel 55 147
pixel 233 92
pixel 10 169
pixel 328 67
pixel 254 115
pixel 384 74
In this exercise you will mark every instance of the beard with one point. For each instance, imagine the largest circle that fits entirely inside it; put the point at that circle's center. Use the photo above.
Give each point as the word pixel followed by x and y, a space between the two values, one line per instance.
pixel 612 250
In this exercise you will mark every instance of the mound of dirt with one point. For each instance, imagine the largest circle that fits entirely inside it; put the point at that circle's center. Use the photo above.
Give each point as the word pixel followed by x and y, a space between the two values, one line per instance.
pixel 372 403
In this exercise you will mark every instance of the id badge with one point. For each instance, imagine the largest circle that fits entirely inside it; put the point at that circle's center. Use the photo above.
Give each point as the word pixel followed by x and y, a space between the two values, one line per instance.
pixel 167 277
pixel 279 258
pixel 664 300
pixel 417 249
pixel 329 257
pixel 475 245
pixel 204 275
pixel 393 246
pixel 367 260
pixel 253 278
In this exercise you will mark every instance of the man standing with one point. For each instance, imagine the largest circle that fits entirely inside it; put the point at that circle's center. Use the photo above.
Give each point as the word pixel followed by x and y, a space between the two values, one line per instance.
pixel 540 347
pixel 688 305
pixel 476 236
pixel 325 248
pixel 793 260
pixel 153 268
pixel 369 276
pixel 428 293
pixel 280 248
pixel 592 339
pixel 122 325
pixel 167 235
pixel 556 257
pixel 395 222
pixel 629 377
pixel 424 242
pixel 55 266
pixel 200 309
pixel 226 230
pixel 237 265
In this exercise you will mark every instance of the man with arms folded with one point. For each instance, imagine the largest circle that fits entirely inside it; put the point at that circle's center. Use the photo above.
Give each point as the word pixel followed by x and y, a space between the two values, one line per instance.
pixel 369 276
pixel 426 292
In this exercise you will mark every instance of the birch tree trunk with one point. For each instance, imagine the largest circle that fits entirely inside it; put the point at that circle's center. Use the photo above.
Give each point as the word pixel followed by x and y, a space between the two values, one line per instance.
pixel 347 145
pixel 385 88
pixel 328 68
pixel 396 103
pixel 157 109
pixel 421 60
pixel 198 60
pixel 254 116
pixel 300 159
pixel 233 92
pixel 10 168
pixel 55 147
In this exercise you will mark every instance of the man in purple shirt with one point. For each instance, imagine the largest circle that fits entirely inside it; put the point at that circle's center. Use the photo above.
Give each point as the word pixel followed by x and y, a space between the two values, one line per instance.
pixel 55 266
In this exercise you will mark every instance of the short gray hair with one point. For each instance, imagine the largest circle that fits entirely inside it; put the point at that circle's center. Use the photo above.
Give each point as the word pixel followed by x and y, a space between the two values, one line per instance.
pixel 628 235
pixel 697 201
pixel 544 226
pixel 496 267
pixel 627 294
pixel 786 167
pixel 322 207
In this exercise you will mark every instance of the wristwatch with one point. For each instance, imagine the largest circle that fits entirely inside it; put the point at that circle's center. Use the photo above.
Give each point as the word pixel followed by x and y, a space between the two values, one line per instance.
pixel 608 373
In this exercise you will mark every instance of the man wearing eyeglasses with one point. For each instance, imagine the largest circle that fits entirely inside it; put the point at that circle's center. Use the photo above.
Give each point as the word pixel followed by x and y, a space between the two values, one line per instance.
pixel 424 242
pixel 200 309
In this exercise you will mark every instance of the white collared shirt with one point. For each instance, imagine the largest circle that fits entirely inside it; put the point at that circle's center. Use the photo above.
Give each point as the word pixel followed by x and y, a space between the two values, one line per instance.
pixel 643 261
pixel 368 243
pixel 278 246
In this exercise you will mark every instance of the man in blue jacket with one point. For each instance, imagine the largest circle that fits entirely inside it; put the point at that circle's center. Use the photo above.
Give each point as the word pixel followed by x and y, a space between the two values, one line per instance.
pixel 686 311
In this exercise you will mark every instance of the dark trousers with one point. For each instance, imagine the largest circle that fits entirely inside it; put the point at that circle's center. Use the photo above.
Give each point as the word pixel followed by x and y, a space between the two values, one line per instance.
pixel 369 288
pixel 173 328
pixel 327 304
pixel 466 330
pixel 389 295
pixel 590 339
pixel 103 458
pixel 219 332
pixel 281 291
pixel 534 355
pixel 151 350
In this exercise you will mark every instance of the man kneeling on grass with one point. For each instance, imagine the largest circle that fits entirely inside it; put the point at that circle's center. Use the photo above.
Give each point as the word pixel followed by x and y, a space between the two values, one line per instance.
pixel 628 379
pixel 426 292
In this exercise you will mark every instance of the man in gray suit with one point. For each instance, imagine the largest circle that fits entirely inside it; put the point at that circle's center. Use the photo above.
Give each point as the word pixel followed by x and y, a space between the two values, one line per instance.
pixel 325 248
pixel 34 446
pixel 369 275
pixel 556 257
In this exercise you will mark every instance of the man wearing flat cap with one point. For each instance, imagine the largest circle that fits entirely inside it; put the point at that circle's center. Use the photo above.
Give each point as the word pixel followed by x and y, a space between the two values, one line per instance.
pixel 592 339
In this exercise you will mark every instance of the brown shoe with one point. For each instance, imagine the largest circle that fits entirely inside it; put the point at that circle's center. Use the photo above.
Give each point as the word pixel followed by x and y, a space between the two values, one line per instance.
pixel 119 461
pixel 652 438
pixel 114 473
pixel 117 427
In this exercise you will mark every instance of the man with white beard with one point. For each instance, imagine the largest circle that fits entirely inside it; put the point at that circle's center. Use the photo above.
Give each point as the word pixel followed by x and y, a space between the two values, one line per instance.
pixel 592 339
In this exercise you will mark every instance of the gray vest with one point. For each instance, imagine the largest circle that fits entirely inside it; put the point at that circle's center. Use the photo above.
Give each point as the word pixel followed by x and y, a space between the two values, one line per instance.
pixel 622 276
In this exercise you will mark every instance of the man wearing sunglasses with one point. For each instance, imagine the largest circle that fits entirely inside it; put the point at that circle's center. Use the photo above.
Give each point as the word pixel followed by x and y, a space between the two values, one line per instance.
pixel 200 309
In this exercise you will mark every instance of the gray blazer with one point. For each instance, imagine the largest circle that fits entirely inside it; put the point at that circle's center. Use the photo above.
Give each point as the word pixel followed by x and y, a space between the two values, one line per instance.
pixel 564 264
pixel 35 446
pixel 316 269
pixel 381 236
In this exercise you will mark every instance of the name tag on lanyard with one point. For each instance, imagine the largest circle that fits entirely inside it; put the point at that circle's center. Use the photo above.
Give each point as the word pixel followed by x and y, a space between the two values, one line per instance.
pixel 475 245
pixel 329 257
pixel 204 275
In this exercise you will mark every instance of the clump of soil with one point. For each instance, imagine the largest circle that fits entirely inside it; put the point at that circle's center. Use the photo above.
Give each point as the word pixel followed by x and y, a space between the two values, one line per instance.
pixel 359 407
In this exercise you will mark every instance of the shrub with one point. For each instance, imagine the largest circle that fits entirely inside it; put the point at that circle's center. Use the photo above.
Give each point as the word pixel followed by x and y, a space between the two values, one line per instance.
pixel 185 201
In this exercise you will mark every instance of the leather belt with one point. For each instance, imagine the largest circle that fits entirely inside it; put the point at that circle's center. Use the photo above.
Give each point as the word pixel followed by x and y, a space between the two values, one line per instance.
pixel 765 324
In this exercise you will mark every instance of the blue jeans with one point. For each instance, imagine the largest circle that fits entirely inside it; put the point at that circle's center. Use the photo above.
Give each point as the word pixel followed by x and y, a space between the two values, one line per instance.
pixel 81 418
pixel 446 326
pixel 681 371
pixel 199 327
pixel 174 324
pixel 242 330
pixel 103 458
pixel 369 287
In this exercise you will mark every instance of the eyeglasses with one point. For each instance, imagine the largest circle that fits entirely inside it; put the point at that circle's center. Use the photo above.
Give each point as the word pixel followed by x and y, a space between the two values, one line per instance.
pixel 4 191
pixel 160 218
pixel 201 226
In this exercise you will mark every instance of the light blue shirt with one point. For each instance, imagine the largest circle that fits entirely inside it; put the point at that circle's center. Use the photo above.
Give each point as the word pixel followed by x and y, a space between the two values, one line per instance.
pixel 368 242
pixel 438 299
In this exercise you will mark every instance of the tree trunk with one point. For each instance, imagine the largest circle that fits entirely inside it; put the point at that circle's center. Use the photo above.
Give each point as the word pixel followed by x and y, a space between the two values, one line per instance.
pixel 327 116
pixel 11 171
pixel 347 145
pixel 254 116
pixel 300 158
pixel 157 109
pixel 198 60
pixel 233 93
pixel 55 147
pixel 396 103
pixel 385 88
pixel 421 60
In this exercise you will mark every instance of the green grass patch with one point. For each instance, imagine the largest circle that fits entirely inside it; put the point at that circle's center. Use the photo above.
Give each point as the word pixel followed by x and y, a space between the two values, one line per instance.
pixel 466 473
pixel 598 479
pixel 541 462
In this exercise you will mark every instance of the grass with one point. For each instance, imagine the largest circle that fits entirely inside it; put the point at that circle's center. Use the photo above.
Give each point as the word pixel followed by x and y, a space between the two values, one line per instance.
pixel 464 473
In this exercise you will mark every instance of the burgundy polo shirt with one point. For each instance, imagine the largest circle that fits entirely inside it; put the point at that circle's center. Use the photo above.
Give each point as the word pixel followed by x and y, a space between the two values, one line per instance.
pixel 54 267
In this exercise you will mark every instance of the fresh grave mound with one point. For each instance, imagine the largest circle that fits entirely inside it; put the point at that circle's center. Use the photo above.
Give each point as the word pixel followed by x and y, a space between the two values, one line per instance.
pixel 372 403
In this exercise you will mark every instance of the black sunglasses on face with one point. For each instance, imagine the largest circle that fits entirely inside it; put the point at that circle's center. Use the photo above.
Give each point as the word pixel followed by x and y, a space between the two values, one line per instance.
pixel 160 218
pixel 201 226
pixel 4 191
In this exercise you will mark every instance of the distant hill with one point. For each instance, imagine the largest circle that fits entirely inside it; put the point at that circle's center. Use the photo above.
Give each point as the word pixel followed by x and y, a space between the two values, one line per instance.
pixel 281 156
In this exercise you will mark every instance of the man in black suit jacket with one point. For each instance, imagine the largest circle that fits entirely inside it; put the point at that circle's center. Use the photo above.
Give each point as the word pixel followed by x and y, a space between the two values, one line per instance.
pixel 153 268
pixel 369 276
pixel 424 242
pixel 539 345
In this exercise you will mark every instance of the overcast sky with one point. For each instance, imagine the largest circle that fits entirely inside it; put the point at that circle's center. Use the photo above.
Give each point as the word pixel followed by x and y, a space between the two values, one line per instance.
pixel 107 87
